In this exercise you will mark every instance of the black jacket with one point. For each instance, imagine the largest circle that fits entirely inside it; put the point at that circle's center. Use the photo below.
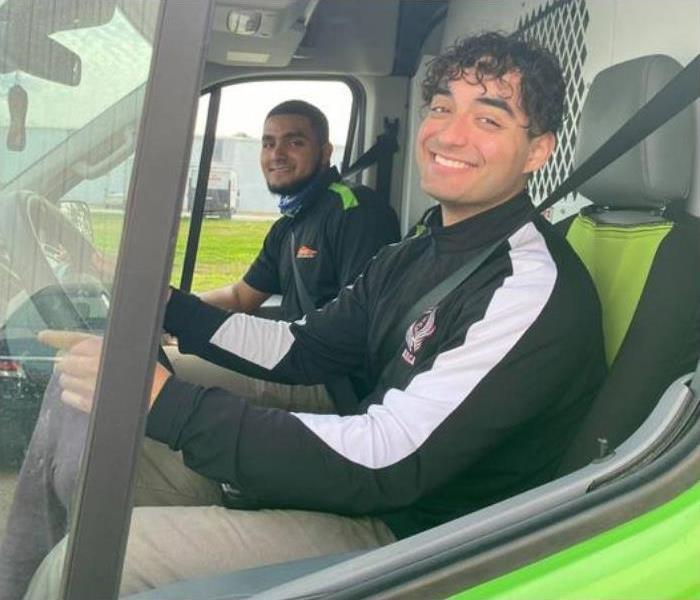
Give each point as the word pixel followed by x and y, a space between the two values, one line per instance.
pixel 478 404
pixel 337 231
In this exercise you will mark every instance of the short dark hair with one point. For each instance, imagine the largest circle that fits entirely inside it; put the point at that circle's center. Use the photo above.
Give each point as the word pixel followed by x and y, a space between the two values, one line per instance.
pixel 319 123
pixel 492 55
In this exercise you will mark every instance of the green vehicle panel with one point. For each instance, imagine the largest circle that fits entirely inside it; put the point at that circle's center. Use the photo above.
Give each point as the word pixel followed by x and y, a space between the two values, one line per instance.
pixel 653 556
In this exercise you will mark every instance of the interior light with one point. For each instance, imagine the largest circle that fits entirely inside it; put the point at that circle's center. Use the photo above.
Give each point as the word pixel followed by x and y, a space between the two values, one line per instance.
pixel 244 22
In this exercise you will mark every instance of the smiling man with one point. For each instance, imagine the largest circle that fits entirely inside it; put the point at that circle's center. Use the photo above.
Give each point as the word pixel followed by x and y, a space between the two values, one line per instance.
pixel 476 404
pixel 476 148
pixel 336 228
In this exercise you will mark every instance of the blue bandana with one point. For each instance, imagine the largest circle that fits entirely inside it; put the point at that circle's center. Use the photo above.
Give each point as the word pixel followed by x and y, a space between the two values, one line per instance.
pixel 291 205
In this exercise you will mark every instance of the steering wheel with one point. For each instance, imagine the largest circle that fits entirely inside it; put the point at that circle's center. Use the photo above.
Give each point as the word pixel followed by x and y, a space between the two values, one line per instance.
pixel 47 252
pixel 41 242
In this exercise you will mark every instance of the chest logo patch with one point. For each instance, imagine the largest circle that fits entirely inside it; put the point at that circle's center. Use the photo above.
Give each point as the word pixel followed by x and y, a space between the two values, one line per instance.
pixel 306 252
pixel 421 329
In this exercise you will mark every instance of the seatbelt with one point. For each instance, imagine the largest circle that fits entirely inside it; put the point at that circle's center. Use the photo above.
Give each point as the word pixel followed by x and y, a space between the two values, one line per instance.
pixel 381 154
pixel 340 388
pixel 385 162
pixel 681 91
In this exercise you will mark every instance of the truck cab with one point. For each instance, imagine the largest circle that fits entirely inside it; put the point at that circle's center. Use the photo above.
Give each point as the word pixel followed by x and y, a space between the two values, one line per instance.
pixel 137 101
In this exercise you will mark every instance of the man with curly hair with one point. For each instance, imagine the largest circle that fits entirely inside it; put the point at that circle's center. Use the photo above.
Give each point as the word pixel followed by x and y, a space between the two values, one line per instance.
pixel 477 403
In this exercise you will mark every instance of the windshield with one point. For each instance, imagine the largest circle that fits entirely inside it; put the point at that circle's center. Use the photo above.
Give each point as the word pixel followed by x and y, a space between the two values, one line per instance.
pixel 72 85
pixel 114 61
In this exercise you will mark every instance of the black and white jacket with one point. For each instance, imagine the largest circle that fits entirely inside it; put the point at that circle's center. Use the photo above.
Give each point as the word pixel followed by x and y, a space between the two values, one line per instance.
pixel 477 405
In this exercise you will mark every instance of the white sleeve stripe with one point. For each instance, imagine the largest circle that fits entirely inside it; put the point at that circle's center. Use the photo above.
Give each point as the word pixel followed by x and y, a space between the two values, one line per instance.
pixel 395 429
pixel 242 335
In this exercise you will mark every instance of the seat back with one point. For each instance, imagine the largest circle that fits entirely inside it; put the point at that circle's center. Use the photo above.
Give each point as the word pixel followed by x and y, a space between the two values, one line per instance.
pixel 642 250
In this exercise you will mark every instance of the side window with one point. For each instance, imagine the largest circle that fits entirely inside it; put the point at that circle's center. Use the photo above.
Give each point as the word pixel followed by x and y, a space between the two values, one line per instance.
pixel 239 209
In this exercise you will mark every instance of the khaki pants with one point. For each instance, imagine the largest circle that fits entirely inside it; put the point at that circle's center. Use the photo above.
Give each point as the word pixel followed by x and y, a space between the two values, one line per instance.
pixel 294 398
pixel 179 530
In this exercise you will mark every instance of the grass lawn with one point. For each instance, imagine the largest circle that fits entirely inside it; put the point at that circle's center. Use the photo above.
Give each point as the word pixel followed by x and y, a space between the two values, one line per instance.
pixel 226 248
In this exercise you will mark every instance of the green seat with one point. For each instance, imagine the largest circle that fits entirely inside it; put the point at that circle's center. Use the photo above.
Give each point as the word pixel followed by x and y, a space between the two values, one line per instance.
pixel 619 259
pixel 642 249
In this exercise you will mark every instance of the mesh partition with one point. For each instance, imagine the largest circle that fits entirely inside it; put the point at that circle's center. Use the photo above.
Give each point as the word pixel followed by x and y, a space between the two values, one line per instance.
pixel 560 26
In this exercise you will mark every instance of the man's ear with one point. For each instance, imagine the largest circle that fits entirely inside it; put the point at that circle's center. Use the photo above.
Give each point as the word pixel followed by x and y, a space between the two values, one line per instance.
pixel 541 148
pixel 326 151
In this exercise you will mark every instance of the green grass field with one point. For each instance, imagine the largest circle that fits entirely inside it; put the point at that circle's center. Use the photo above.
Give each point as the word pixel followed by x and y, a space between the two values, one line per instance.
pixel 226 248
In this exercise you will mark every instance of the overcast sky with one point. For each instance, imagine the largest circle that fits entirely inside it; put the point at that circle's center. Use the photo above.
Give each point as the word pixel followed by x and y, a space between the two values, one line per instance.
pixel 244 106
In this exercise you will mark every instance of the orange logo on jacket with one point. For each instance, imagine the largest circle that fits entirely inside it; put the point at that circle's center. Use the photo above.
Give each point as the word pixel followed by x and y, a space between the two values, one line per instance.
pixel 306 252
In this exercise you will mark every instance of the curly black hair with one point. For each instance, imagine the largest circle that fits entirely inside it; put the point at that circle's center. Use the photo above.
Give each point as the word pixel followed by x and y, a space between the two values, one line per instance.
pixel 492 55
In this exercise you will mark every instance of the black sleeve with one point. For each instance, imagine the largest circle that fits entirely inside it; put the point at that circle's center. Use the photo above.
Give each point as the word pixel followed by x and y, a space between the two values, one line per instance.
pixel 327 342
pixel 263 274
pixel 466 401
pixel 358 233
